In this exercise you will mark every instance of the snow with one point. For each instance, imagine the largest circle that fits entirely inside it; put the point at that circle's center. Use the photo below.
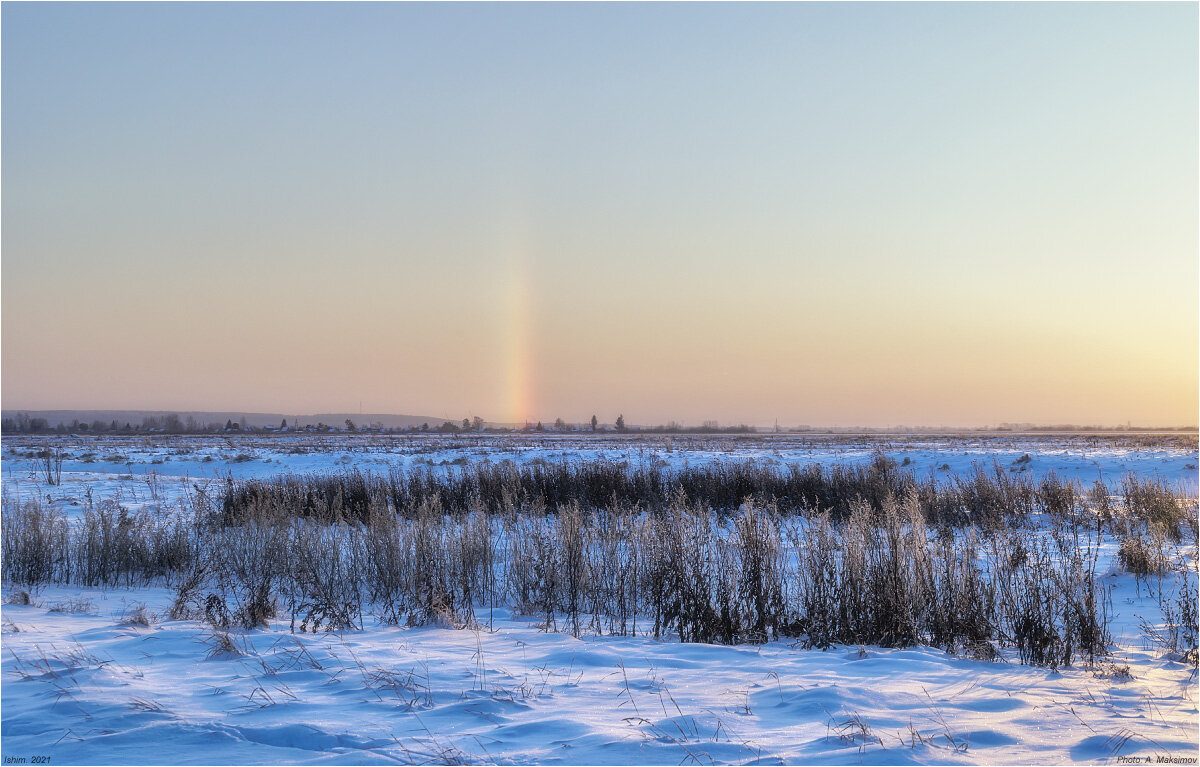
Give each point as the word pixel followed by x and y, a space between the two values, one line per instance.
pixel 88 688
pixel 156 471
pixel 85 684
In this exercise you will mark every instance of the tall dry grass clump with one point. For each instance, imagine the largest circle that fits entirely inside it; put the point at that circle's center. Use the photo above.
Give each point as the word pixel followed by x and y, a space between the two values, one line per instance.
pixel 36 545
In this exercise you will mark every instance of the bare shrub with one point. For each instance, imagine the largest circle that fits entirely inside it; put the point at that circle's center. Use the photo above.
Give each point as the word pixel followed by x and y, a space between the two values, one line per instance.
pixel 817 585
pixel 18 597
pixel 51 465
pixel 1048 602
pixel 1152 502
pixel 1143 555
pixel 1178 636
pixel 758 546
pixel 323 584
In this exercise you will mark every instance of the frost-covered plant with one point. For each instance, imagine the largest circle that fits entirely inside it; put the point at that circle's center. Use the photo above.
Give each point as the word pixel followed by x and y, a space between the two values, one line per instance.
pixel 1152 502
pixel 1143 555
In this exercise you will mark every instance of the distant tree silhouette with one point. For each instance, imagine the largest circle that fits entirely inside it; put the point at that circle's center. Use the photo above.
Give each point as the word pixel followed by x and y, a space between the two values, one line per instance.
pixel 595 423
pixel 621 423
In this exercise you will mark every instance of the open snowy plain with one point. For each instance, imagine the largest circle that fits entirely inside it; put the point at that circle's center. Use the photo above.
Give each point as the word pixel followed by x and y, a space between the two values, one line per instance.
pixel 105 674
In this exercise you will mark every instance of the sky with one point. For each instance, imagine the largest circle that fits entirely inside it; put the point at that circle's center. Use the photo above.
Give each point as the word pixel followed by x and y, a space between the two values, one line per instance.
pixel 827 214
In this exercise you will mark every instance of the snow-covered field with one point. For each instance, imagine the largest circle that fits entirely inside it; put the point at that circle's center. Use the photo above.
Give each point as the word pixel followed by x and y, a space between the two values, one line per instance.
pixel 93 676
pixel 155 470
pixel 85 686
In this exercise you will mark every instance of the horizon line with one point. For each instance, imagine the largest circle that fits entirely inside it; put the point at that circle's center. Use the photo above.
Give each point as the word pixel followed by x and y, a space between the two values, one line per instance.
pixel 997 426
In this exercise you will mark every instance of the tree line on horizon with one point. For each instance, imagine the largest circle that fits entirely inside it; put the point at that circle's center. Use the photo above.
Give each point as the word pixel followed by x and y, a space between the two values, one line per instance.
pixel 172 423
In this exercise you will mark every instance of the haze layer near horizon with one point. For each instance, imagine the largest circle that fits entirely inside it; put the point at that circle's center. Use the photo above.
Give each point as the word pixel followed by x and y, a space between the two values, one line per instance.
pixel 817 213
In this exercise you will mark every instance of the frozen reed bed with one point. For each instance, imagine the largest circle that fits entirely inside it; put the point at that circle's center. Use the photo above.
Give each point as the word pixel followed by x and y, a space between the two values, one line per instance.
pixel 734 553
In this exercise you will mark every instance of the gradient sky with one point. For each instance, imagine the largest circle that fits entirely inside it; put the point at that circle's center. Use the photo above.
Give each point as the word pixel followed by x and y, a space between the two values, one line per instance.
pixel 829 214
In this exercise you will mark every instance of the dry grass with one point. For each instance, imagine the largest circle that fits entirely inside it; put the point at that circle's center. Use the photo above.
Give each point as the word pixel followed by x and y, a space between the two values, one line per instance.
pixel 889 561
